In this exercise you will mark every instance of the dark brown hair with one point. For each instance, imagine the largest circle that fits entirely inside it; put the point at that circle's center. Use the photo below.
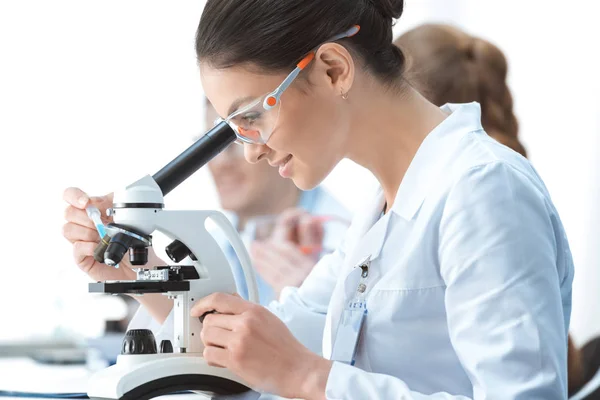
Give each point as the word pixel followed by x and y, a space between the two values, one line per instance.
pixel 448 65
pixel 575 368
pixel 274 35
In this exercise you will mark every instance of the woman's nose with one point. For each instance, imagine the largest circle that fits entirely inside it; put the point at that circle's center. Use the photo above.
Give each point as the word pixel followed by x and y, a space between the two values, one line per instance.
pixel 255 152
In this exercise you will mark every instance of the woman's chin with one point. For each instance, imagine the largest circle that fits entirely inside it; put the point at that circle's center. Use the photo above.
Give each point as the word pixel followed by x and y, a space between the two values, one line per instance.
pixel 304 181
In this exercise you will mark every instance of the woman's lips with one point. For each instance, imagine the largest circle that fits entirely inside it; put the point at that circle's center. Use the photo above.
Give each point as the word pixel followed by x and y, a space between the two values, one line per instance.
pixel 285 168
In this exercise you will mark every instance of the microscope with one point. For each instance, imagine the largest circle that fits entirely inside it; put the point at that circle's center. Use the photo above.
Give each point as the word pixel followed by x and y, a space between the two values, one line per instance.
pixel 146 369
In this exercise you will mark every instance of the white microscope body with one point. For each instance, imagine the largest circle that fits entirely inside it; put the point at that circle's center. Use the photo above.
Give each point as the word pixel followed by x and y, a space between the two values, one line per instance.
pixel 142 371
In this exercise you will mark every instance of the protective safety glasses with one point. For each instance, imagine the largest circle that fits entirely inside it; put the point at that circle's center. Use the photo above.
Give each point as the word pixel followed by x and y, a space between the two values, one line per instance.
pixel 255 122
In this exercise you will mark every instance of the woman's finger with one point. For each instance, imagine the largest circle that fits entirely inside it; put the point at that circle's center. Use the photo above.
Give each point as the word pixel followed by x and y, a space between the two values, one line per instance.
pixel 77 216
pixel 76 197
pixel 215 336
pixel 216 356
pixel 78 233
pixel 223 321
pixel 222 303
pixel 83 254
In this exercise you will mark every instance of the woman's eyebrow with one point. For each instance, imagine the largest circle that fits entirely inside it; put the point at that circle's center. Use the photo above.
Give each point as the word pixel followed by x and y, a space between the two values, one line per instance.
pixel 236 104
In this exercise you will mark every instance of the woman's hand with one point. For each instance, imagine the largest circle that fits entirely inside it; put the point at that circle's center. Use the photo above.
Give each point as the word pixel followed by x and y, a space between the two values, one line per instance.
pixel 81 232
pixel 253 343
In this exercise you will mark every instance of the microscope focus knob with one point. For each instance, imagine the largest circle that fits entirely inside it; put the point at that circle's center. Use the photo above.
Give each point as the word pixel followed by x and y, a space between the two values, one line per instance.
pixel 166 346
pixel 139 341
pixel 177 251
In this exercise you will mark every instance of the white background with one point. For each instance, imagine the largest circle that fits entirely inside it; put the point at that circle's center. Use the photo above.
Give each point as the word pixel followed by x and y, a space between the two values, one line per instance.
pixel 96 94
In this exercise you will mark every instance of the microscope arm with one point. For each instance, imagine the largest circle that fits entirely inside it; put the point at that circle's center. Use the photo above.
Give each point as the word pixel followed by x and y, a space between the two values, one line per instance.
pixel 242 253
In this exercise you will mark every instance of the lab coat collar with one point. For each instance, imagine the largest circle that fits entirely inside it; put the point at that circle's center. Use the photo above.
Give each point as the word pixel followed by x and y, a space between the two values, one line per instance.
pixel 365 235
pixel 434 155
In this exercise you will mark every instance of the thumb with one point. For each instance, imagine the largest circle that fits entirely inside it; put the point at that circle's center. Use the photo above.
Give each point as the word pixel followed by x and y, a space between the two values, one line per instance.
pixel 76 197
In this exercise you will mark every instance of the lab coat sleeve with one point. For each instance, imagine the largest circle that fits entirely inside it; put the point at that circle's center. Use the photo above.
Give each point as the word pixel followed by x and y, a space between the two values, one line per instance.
pixel 304 309
pixel 497 255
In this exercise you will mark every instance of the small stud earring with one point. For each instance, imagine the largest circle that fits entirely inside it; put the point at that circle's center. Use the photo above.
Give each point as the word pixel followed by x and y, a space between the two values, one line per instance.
pixel 344 95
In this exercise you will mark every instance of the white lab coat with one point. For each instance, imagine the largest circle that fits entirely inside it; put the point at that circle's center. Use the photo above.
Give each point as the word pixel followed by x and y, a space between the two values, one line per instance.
pixel 469 290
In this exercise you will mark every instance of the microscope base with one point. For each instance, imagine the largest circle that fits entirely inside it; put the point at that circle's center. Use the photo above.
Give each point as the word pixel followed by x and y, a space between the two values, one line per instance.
pixel 143 377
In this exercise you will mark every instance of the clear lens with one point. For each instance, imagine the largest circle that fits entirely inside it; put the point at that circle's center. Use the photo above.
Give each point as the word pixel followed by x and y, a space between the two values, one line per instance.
pixel 254 124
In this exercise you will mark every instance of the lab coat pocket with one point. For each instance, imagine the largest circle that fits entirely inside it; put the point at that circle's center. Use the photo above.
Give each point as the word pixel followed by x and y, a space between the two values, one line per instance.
pixel 400 327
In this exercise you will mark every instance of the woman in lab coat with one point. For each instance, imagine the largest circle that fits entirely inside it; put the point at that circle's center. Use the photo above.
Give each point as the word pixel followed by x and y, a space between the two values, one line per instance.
pixel 454 281
pixel 460 259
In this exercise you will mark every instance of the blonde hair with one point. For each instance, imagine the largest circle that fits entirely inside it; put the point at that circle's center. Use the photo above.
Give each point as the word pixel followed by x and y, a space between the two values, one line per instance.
pixel 448 65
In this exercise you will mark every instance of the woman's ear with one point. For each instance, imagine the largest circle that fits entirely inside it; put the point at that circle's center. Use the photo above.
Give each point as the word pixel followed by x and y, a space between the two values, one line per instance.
pixel 336 68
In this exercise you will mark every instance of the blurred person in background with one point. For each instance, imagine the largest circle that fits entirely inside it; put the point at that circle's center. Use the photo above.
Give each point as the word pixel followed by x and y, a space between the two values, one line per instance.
pixel 448 65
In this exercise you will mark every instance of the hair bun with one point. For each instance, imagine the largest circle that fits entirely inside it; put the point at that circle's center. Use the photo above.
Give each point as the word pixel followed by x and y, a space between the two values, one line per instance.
pixel 389 8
